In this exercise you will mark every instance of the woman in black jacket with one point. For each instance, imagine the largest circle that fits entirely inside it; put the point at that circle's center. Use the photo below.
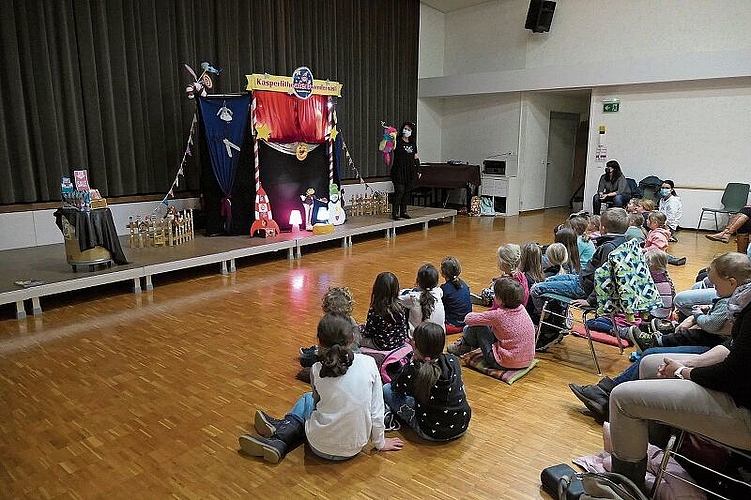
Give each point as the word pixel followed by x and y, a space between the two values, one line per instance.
pixel 404 168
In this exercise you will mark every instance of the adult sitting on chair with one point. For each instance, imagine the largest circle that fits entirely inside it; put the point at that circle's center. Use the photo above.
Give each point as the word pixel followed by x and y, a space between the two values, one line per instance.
pixel 708 393
pixel 730 264
pixel 612 188
pixel 740 224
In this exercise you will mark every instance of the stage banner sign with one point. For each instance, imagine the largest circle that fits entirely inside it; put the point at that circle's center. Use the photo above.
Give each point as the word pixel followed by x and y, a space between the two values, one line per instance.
pixel 285 84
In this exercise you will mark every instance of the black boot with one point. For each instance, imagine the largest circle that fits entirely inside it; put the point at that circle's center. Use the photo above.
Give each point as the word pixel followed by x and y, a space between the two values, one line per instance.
pixel 288 436
pixel 265 424
pixel 635 471
pixel 594 398
pixel 606 384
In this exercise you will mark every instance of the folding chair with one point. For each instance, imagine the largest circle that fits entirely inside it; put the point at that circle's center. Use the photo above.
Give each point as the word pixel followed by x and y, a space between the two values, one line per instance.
pixel 734 198
pixel 570 319
pixel 672 450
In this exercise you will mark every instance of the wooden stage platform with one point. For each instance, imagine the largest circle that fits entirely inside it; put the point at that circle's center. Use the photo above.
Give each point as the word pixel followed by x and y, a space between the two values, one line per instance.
pixel 47 263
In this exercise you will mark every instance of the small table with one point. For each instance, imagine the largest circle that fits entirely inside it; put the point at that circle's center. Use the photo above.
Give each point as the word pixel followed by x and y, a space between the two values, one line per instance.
pixel 445 176
pixel 93 229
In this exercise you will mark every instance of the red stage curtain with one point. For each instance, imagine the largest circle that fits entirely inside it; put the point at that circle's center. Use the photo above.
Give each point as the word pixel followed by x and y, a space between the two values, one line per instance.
pixel 291 119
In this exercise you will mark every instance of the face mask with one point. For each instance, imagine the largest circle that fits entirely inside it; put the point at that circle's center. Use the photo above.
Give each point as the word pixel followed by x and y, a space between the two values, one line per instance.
pixel 664 192
pixel 406 132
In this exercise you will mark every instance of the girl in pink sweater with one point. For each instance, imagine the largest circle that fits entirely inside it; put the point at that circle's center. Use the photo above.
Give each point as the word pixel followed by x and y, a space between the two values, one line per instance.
pixel 505 335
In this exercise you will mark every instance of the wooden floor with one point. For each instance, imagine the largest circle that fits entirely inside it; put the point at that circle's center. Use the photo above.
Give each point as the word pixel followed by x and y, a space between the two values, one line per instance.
pixel 113 394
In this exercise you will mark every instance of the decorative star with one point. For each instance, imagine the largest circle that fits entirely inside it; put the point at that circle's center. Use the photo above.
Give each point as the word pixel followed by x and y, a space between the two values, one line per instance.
pixel 334 132
pixel 263 132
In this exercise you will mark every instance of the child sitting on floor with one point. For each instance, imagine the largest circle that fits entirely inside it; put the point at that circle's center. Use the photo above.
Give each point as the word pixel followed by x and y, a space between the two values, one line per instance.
pixel 557 257
pixel 428 394
pixel 386 327
pixel 505 335
pixel 340 417
pixel 424 301
pixel 336 300
pixel 530 263
pixel 586 247
pixel 508 256
pixel 658 235
pixel 456 295
pixel 593 229
pixel 636 228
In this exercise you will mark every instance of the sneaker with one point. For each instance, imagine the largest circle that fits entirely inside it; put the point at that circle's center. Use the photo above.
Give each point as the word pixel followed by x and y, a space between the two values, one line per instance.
pixel 642 341
pixel 458 348
pixel 309 351
pixel 661 327
pixel 390 422
pixel 678 262
pixel 672 239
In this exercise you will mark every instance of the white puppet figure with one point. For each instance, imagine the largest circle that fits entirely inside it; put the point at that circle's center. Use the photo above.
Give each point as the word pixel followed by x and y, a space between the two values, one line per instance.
pixel 337 216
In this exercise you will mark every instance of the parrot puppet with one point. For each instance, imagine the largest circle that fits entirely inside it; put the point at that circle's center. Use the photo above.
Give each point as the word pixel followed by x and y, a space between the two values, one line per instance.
pixel 388 142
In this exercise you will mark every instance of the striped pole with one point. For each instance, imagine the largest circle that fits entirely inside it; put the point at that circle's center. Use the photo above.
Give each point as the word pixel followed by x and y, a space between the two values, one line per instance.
pixel 330 142
pixel 255 144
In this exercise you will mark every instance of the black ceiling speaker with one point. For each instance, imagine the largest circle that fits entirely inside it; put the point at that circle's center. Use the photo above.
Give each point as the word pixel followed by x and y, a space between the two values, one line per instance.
pixel 539 16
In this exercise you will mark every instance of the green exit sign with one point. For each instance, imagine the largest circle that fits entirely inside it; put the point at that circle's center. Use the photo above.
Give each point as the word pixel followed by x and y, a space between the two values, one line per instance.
pixel 611 107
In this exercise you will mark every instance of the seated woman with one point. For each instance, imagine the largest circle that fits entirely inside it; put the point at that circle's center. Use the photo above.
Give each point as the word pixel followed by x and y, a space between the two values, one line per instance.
pixel 612 188
pixel 707 393
pixel 740 224
pixel 671 206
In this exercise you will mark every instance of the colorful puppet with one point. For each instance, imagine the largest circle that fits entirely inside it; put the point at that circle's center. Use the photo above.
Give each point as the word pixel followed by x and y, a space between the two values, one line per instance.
pixel 387 142
pixel 307 203
pixel 200 84
pixel 337 216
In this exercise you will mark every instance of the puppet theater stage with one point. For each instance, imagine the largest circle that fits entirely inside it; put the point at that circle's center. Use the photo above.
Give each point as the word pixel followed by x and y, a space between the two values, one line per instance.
pixel 288 155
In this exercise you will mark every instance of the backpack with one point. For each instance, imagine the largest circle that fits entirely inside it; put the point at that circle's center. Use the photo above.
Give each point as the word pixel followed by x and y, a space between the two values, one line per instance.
pixel 602 486
pixel 650 187
pixel 486 205
pixel 389 363
pixel 634 188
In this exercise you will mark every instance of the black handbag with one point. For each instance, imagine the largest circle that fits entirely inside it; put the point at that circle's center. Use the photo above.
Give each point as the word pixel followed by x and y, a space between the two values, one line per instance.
pixel 555 475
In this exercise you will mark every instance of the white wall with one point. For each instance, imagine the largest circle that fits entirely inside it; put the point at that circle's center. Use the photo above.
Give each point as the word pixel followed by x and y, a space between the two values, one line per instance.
pixel 475 127
pixel 432 30
pixel 680 68
pixel 695 133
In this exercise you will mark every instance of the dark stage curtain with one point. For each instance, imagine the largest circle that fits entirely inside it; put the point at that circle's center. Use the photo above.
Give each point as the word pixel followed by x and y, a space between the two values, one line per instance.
pixel 99 84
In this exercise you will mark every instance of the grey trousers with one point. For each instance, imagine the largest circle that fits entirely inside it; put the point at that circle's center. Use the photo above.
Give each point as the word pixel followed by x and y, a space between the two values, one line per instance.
pixel 680 403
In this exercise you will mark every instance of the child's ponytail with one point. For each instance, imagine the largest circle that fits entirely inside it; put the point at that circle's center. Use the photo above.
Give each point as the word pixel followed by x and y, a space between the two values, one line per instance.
pixel 336 360
pixel 429 341
pixel 451 269
pixel 335 336
pixel 427 279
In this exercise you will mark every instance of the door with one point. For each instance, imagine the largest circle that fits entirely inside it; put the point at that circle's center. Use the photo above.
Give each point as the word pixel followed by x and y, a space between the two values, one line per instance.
pixel 560 163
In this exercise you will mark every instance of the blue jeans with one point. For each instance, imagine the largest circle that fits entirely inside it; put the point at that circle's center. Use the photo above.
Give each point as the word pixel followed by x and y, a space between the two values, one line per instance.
pixel 632 372
pixel 619 200
pixel 562 284
pixel 685 300
pixel 404 407
pixel 300 412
